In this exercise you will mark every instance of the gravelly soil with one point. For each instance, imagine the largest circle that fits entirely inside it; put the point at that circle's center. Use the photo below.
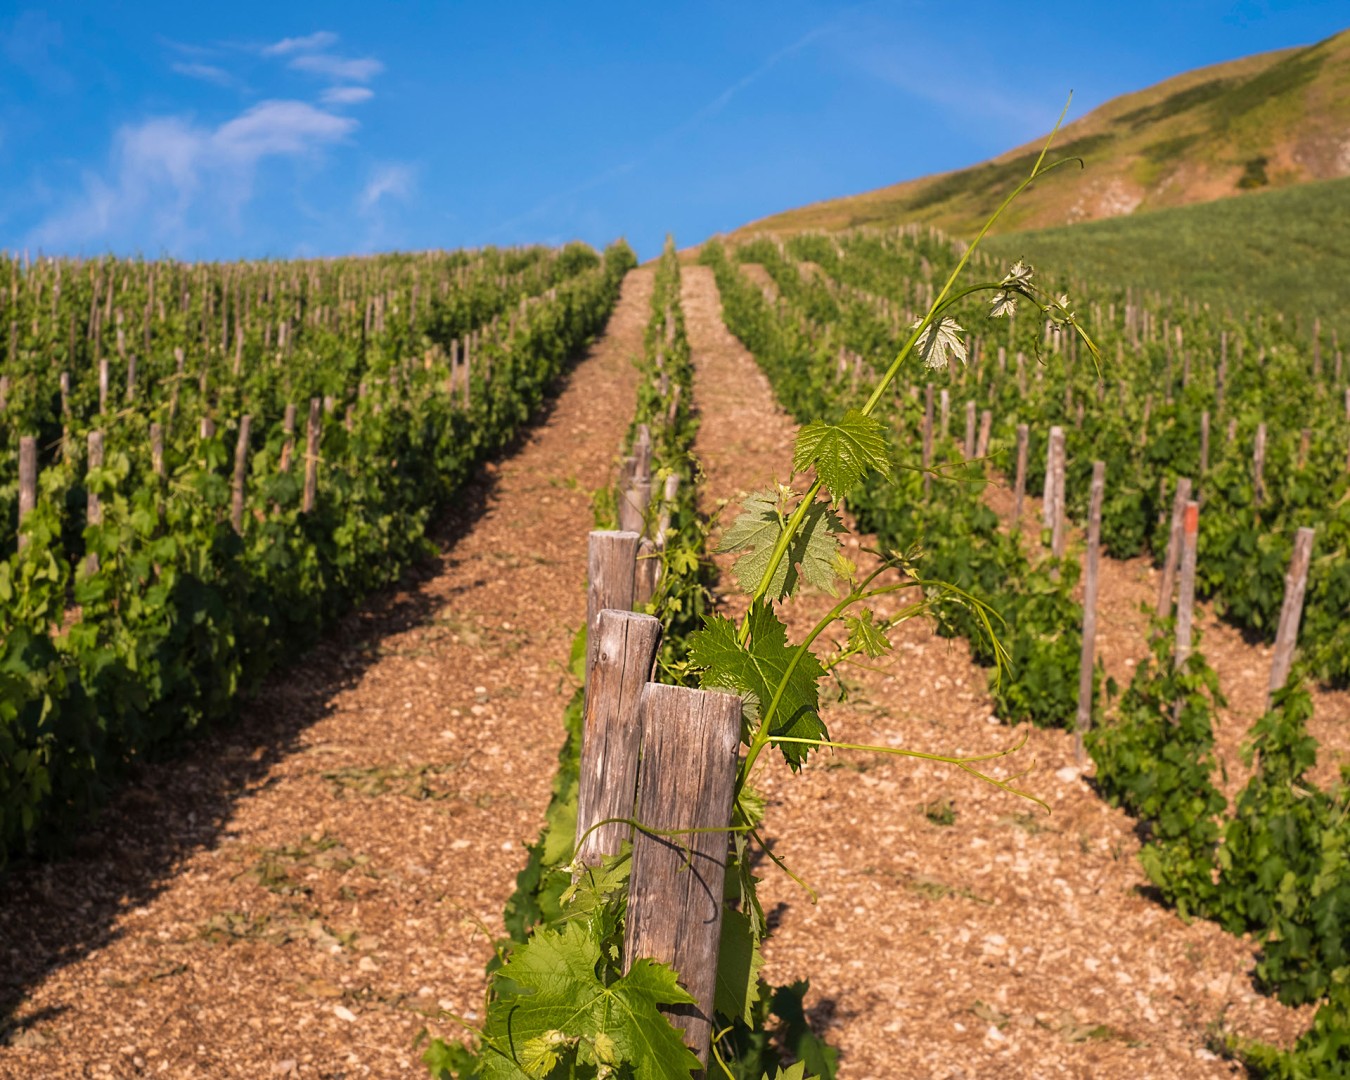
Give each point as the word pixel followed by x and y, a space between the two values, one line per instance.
pixel 1008 942
pixel 301 894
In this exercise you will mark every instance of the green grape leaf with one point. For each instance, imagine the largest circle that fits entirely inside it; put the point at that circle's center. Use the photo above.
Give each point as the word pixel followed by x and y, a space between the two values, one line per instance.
pixel 558 1008
pixel 757 669
pixel 757 530
pixel 739 959
pixel 842 453
pixel 865 636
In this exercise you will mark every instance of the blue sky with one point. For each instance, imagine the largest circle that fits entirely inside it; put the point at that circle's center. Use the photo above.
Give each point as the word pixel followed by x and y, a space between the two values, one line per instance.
pixel 288 129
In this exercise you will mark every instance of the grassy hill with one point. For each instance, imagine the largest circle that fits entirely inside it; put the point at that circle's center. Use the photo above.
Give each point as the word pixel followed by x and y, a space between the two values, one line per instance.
pixel 1269 121
pixel 1289 249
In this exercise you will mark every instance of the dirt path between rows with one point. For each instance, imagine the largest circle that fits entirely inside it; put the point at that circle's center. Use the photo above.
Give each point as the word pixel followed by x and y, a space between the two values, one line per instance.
pixel 302 893
pixel 1004 942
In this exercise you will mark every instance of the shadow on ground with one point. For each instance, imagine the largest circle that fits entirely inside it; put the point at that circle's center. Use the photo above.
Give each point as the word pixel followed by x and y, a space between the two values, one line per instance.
pixel 57 911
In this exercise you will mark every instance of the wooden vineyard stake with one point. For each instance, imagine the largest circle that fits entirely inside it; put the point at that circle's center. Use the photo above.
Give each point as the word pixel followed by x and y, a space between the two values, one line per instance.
pixel 1190 532
pixel 1020 485
pixel 93 506
pixel 1259 465
pixel 1088 656
pixel 312 431
pixel 968 447
pixel 27 482
pixel 1304 441
pixel 1170 559
pixel 1291 611
pixel 207 429
pixel 620 666
pixel 690 743
pixel 945 409
pixel 157 450
pixel 986 429
pixel 635 488
pixel 611 567
pixel 1055 508
pixel 288 444
pixel 102 386
pixel 240 474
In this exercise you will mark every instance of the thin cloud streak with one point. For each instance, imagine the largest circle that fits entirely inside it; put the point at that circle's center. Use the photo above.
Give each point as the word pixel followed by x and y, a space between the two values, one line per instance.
pixel 346 68
pixel 665 139
pixel 320 39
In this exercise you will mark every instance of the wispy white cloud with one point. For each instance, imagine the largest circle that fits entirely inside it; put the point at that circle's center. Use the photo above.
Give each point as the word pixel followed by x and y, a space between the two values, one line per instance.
pixel 357 69
pixel 346 95
pixel 205 72
pixel 320 39
pixel 170 180
pixel 388 181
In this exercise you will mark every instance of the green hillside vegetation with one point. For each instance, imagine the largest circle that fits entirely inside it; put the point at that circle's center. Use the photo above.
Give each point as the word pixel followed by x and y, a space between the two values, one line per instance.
pixel 1288 250
pixel 1274 120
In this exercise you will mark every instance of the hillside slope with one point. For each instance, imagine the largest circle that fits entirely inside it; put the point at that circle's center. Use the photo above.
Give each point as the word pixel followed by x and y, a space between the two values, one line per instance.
pixel 1267 121
pixel 1289 250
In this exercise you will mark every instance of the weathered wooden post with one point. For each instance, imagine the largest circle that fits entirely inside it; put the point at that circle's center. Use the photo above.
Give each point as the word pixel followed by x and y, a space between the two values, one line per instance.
pixel 1291 611
pixel 157 450
pixel 240 474
pixel 1088 656
pixel 968 447
pixel 986 429
pixel 288 443
pixel 1173 553
pixel 312 431
pixel 611 561
pixel 1055 503
pixel 690 745
pixel 1190 531
pixel 620 666
pixel 27 482
pixel 1204 443
pixel 93 505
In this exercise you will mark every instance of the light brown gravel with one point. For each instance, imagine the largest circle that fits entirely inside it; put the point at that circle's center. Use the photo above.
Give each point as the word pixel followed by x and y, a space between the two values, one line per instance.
pixel 300 895
pixel 1009 943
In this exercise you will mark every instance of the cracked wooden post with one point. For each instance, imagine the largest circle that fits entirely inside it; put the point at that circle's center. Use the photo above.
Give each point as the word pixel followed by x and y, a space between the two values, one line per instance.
pixel 611 561
pixel 1291 612
pixel 690 745
pixel 1173 553
pixel 27 482
pixel 312 429
pixel 1190 532
pixel 619 668
pixel 1020 485
pixel 240 474
pixel 1088 656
